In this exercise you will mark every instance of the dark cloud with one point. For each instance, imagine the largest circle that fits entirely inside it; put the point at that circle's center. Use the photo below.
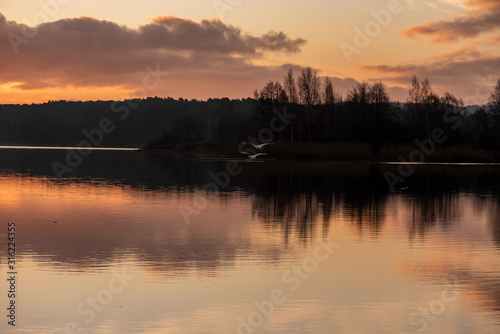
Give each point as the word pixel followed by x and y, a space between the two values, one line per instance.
pixel 464 73
pixel 212 36
pixel 482 16
pixel 86 52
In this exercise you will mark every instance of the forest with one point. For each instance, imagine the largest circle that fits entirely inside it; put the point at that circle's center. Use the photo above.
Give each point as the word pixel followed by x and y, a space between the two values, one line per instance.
pixel 364 118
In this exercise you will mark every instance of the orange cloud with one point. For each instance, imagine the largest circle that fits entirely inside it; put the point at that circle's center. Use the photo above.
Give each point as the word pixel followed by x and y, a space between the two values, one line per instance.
pixel 486 4
pixel 482 16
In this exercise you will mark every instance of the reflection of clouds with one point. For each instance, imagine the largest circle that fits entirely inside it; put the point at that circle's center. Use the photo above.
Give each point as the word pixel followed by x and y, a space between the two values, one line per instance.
pixel 477 280
pixel 290 317
pixel 101 225
pixel 167 250
pixel 467 254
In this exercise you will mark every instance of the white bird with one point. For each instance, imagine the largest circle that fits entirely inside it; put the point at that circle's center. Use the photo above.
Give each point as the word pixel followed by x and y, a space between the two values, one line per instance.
pixel 259 147
pixel 253 157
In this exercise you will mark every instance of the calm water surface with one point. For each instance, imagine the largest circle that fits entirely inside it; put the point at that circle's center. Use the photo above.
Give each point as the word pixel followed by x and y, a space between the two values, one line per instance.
pixel 286 247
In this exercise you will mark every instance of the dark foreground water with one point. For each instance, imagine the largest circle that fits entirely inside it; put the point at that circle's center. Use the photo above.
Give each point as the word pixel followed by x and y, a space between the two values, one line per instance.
pixel 132 243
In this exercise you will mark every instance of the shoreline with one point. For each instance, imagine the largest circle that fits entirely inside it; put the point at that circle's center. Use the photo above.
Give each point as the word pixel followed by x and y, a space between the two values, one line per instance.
pixel 348 151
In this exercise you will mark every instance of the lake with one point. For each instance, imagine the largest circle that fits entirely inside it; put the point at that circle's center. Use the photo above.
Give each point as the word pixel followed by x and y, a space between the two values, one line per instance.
pixel 136 242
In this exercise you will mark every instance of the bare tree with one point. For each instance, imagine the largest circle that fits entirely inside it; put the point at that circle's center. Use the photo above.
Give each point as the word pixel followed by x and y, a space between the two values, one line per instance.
pixel 309 87
pixel 360 93
pixel 293 98
pixel 482 121
pixel 451 101
pixel 291 87
pixel 328 107
pixel 378 94
pixel 328 94
pixel 272 92
pixel 379 100
pixel 495 96
pixel 424 100
pixel 414 93
pixel 495 100
pixel 426 91
pixel 358 99
pixel 256 94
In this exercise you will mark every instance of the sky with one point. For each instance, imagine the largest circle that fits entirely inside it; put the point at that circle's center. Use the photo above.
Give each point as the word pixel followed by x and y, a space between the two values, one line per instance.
pixel 200 49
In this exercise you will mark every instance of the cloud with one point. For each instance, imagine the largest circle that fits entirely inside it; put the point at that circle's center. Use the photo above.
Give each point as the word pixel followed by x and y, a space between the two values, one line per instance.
pixel 465 72
pixel 448 6
pixel 482 16
pixel 86 52
pixel 212 36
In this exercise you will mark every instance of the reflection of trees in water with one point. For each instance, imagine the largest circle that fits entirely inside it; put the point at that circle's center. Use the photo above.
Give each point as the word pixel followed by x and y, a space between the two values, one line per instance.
pixel 299 198
pixel 289 202
pixel 495 222
pixel 298 202
pixel 494 218
pixel 433 201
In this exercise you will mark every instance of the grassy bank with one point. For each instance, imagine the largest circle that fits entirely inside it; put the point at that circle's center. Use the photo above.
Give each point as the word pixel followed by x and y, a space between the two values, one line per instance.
pixel 343 151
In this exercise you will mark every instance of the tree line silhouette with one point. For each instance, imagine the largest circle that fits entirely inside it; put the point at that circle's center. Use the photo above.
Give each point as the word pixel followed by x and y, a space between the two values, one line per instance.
pixel 365 114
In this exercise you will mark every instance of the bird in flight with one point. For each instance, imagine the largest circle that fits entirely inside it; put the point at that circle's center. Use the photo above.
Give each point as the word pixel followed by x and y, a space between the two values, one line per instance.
pixel 259 147
pixel 253 157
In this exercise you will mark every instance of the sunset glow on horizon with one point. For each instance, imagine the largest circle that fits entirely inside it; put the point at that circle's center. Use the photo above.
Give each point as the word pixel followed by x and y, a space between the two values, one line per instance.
pixel 86 50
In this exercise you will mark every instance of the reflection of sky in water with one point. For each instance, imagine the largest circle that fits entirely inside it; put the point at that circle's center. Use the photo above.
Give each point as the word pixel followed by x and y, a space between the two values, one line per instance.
pixel 397 250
